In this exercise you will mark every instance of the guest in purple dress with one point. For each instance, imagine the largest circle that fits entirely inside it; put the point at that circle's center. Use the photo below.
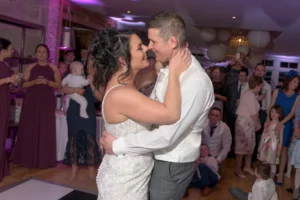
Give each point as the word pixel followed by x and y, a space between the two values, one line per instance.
pixel 36 143
pixel 6 78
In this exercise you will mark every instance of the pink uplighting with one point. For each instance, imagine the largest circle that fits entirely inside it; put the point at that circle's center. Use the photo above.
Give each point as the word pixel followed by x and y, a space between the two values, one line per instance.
pixel 92 2
pixel 127 21
pixel 52 26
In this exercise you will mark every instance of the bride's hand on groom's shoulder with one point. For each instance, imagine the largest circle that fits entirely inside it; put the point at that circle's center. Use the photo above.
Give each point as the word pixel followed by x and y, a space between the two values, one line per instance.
pixel 106 142
pixel 180 62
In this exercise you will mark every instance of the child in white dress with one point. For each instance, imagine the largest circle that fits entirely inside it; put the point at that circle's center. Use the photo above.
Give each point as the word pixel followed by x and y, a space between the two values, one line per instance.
pixel 76 80
pixel 269 149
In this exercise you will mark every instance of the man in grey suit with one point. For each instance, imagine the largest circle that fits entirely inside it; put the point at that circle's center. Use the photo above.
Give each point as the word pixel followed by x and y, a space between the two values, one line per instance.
pixel 235 90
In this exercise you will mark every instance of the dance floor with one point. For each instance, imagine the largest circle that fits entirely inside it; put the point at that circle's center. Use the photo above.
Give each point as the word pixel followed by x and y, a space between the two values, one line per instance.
pixel 39 190
pixel 54 184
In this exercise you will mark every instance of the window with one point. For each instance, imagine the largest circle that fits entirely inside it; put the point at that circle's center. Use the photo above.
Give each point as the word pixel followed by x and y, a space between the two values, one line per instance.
pixel 293 65
pixel 268 63
pixel 289 65
pixel 284 64
pixel 268 76
pixel 282 75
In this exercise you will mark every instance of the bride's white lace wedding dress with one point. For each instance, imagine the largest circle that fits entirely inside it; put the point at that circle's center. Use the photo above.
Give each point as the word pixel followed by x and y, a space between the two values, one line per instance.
pixel 127 177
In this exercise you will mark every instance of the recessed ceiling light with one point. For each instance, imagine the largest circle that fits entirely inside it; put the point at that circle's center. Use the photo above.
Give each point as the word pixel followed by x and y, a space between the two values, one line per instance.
pixel 233 17
pixel 128 12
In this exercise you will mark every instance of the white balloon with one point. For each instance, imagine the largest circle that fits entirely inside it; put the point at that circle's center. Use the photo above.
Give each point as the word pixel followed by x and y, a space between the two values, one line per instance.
pixel 258 39
pixel 216 53
pixel 224 35
pixel 208 34
pixel 242 49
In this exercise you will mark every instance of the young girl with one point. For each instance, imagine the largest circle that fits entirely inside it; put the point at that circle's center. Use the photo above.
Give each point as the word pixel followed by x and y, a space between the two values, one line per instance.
pixel 295 160
pixel 271 142
pixel 263 187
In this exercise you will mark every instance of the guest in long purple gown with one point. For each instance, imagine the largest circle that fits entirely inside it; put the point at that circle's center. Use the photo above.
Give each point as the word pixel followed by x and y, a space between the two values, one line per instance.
pixel 36 142
pixel 6 78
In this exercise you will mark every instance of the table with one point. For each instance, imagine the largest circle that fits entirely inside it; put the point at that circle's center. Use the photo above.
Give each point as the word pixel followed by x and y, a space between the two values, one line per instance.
pixel 62 133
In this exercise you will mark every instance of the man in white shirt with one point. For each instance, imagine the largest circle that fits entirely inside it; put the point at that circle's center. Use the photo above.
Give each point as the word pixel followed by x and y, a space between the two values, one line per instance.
pixel 217 136
pixel 264 100
pixel 175 147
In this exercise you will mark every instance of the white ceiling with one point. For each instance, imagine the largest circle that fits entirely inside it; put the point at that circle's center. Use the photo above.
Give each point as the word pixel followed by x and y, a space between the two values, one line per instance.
pixel 270 15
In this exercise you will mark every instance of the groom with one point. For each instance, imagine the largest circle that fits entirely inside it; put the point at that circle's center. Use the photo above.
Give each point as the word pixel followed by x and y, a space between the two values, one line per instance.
pixel 175 147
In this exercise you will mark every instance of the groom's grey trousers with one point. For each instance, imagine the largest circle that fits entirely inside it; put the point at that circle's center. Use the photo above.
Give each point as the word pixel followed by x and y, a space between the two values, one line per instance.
pixel 169 181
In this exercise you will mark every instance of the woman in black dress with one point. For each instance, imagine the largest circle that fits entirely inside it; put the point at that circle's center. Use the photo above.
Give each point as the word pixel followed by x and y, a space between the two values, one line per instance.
pixel 82 148
pixel 6 78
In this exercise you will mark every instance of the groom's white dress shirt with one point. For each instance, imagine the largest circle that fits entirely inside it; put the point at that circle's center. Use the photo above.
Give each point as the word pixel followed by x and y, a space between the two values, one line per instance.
pixel 179 142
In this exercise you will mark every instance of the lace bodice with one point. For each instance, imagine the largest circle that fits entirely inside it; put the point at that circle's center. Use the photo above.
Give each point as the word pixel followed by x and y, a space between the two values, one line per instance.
pixel 124 128
pixel 126 177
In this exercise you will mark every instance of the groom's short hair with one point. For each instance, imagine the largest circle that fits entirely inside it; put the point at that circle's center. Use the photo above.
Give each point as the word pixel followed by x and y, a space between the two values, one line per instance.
pixel 169 24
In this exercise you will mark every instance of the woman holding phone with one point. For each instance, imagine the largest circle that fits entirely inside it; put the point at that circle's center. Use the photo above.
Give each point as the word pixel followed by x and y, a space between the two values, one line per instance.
pixel 36 143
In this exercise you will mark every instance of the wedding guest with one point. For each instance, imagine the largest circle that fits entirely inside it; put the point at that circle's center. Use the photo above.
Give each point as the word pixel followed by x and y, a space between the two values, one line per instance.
pixel 217 136
pixel 206 176
pixel 246 124
pixel 69 57
pixel 264 99
pixel 271 141
pixel 146 78
pixel 295 161
pixel 263 187
pixel 82 148
pixel 83 55
pixel 63 69
pixel 235 91
pixel 220 88
pixel 36 144
pixel 6 78
pixel 287 98
pixel 233 69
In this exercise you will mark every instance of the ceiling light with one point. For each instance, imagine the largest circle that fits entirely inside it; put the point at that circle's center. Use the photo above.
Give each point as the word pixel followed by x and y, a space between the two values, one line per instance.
pixel 233 17
pixel 128 12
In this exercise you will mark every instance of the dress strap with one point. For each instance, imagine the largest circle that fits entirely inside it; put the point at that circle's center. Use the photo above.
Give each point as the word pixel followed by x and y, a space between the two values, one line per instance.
pixel 104 100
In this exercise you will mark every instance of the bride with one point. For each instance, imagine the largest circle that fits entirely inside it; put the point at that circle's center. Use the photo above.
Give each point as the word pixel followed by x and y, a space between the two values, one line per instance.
pixel 118 57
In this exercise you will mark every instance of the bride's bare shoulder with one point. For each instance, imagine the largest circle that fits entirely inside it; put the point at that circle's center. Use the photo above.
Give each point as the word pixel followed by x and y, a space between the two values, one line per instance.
pixel 121 93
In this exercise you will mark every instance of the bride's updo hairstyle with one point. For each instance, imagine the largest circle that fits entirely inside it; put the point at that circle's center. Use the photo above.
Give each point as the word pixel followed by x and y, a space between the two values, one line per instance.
pixel 106 50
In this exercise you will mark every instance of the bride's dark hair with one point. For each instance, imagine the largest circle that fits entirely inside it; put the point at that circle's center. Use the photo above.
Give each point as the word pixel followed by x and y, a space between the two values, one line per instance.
pixel 106 49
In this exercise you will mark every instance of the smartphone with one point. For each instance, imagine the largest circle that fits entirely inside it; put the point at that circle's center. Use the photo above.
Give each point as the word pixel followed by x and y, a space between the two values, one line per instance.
pixel 40 77
pixel 237 56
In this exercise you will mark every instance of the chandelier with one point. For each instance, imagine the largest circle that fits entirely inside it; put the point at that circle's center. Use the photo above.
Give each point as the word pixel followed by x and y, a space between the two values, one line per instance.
pixel 237 41
pixel 238 44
